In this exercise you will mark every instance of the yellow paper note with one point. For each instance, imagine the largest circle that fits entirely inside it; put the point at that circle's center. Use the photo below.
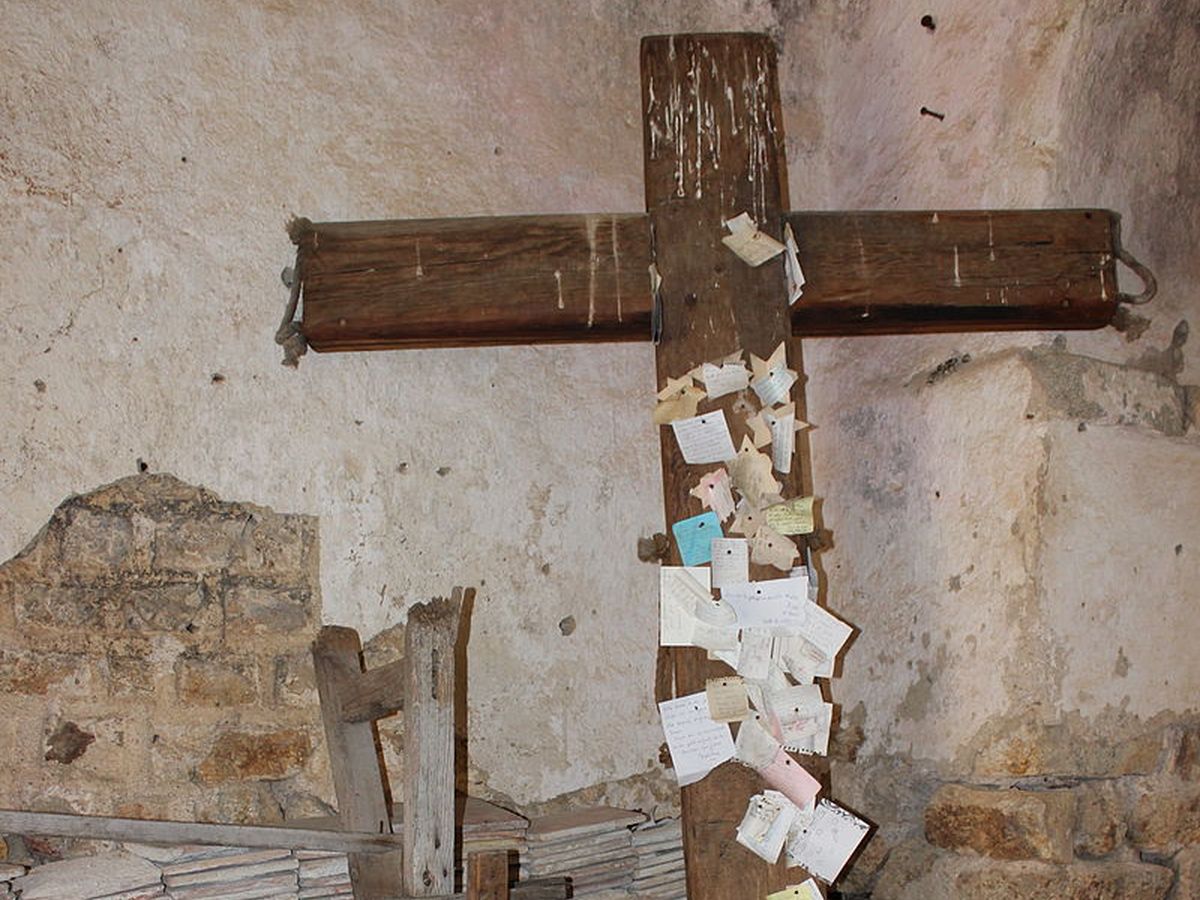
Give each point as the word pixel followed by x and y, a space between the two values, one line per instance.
pixel 792 516
pixel 806 891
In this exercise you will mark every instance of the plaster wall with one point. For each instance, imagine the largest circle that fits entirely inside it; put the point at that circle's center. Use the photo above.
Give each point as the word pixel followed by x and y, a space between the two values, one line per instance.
pixel 151 153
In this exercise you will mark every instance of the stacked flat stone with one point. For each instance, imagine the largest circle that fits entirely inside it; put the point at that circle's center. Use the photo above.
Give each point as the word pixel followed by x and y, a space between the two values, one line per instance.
pixel 107 876
pixel 660 871
pixel 223 873
pixel 592 847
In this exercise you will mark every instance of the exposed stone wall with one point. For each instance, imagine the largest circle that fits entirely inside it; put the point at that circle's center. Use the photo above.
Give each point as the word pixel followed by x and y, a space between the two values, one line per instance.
pixel 156 659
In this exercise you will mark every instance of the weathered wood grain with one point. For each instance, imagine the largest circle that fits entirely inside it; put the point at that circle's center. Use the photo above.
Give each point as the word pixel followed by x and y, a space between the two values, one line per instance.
pixel 470 282
pixel 910 272
pixel 429 641
pixel 353 761
pixel 487 875
pixel 374 694
pixel 493 281
pixel 713 141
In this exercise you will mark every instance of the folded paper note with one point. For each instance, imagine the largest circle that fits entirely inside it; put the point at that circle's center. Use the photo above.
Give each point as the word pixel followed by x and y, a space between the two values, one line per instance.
pixel 806 890
pixel 791 264
pixel 697 743
pixel 727 377
pixel 765 827
pixel 744 239
pixel 770 548
pixel 771 379
pixel 750 472
pixel 679 589
pixel 754 653
pixel 704 438
pixel 790 778
pixel 695 536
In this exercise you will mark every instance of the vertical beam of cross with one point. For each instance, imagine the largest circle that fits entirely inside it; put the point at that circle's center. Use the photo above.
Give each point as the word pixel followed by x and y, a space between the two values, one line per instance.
pixel 713 144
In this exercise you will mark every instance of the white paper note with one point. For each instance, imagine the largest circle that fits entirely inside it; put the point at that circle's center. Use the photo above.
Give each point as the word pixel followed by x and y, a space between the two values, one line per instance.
pixel 772 380
pixel 822 629
pixel 715 492
pixel 727 378
pixel 773 604
pixel 824 846
pixel 704 438
pixel 782 422
pixel 755 746
pixel 730 561
pixel 754 654
pixel 679 589
pixel 697 743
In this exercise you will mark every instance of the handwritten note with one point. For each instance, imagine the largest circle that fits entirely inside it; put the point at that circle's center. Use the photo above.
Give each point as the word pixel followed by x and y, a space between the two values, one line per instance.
pixel 679 590
pixel 827 842
pixel 727 698
pixel 767 604
pixel 783 426
pixel 697 743
pixel 823 629
pixel 714 492
pixel 730 561
pixel 695 536
pixel 704 438
pixel 753 246
pixel 792 516
pixel 727 377
pixel 771 379
pixel 790 778
pixel 754 654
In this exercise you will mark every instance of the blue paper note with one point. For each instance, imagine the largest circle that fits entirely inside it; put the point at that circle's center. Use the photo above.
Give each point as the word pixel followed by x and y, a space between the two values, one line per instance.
pixel 694 537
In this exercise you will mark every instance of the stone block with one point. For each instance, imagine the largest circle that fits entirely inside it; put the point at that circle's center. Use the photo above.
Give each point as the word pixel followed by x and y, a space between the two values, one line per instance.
pixel 240 804
pixel 184 609
pixel 216 679
pixel 919 875
pixel 1099 820
pixel 1187 873
pixel 26 672
pixel 1166 816
pixel 131 674
pixel 1081 881
pixel 1003 824
pixel 295 682
pixel 249 756
pixel 275 546
pixel 64 606
pixel 1181 751
pixel 95 544
pixel 199 546
pixel 268 610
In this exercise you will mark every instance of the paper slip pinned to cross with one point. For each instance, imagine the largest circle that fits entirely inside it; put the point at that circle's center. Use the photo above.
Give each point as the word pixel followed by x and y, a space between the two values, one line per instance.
pixel 765 827
pixel 715 492
pixel 791 263
pixel 783 426
pixel 697 743
pixel 793 516
pixel 750 472
pixel 695 536
pixel 726 377
pixel 681 406
pixel 755 746
pixel 806 890
pixel 752 245
pixel 679 589
pixel 760 431
pixel 791 779
pixel 748 519
pixel 774 603
pixel 771 379
pixel 827 842
pixel 754 654
pixel 727 698
pixel 730 561
pixel 822 629
pixel 770 548
pixel 704 438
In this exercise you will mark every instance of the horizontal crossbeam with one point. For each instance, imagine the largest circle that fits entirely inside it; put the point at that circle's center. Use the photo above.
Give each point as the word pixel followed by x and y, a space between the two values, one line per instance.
pixel 577 279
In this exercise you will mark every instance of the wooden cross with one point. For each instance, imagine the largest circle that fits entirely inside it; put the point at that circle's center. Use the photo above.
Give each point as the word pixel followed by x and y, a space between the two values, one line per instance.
pixel 713 142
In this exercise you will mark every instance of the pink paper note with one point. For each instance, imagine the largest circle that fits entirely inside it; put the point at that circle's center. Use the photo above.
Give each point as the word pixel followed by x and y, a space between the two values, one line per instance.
pixel 791 779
